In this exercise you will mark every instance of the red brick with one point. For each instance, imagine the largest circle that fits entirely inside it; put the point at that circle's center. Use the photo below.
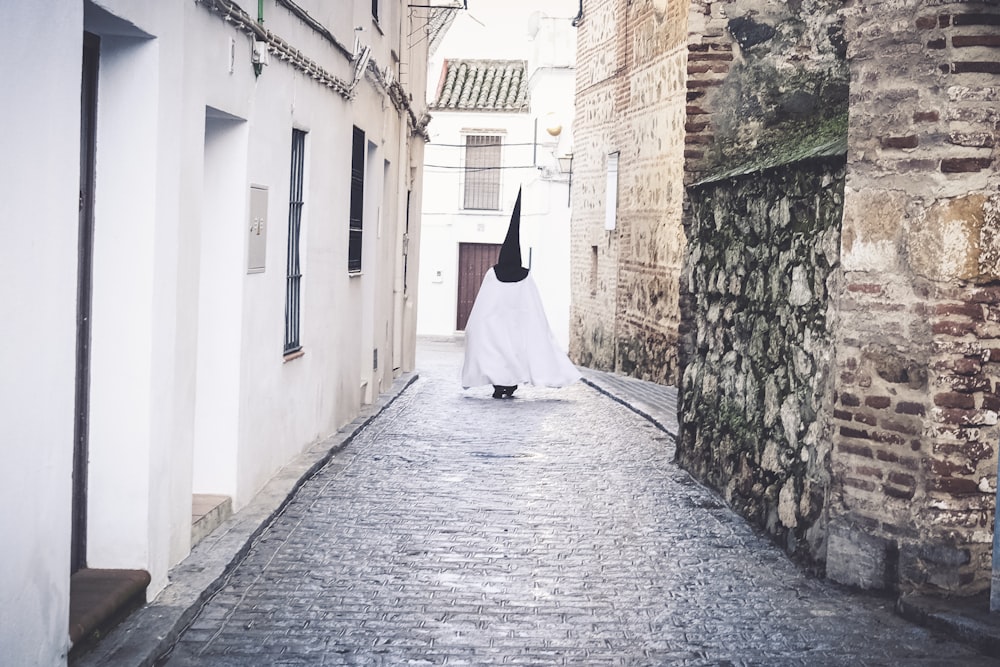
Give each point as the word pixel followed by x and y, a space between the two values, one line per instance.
pixel 849 432
pixel 965 165
pixel 902 479
pixel 961 417
pixel 863 484
pixel 937 44
pixel 977 19
pixel 866 288
pixel 694 155
pixel 910 408
pixel 978 67
pixel 888 438
pixel 895 492
pixel 865 419
pixel 926 22
pixel 991 402
pixel 910 141
pixel 955 400
pixel 851 363
pixel 967 366
pixel 968 385
pixel 926 116
pixel 843 415
pixel 718 57
pixel 850 400
pixel 878 402
pixel 856 450
pixel 973 311
pixel 975 40
pixel 953 328
pixel 847 378
pixel 956 486
pixel 948 468
pixel 869 471
pixel 900 427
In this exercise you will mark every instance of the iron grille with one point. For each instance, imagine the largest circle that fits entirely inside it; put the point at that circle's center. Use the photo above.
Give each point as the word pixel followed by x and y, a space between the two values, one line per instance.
pixel 482 172
pixel 357 201
pixel 293 285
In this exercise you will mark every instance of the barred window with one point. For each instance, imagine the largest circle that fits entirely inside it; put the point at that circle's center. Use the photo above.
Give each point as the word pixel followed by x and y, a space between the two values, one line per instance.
pixel 357 201
pixel 293 281
pixel 482 172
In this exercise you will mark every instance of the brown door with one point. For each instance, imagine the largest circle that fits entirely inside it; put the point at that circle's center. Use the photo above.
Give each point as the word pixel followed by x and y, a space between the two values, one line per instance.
pixel 88 134
pixel 474 260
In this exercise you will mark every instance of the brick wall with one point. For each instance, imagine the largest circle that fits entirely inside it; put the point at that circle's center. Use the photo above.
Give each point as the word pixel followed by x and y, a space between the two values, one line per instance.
pixel 630 100
pixel 918 345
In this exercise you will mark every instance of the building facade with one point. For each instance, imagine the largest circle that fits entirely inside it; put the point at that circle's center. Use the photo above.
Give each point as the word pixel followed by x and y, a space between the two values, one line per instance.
pixel 627 239
pixel 836 301
pixel 500 90
pixel 210 264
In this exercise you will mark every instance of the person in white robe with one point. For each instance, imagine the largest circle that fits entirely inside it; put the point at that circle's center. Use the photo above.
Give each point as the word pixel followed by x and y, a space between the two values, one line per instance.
pixel 508 341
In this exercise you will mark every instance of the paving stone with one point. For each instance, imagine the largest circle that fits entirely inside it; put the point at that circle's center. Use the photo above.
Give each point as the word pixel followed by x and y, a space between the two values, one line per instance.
pixel 551 529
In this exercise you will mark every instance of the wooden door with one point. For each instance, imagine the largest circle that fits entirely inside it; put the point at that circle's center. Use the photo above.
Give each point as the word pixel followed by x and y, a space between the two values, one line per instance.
pixel 474 260
pixel 88 151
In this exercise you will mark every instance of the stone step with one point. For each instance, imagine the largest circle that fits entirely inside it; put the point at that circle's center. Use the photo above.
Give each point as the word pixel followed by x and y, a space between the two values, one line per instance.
pixel 208 511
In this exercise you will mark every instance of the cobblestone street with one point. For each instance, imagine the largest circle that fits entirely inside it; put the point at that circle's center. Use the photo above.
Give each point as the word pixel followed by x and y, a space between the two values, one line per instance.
pixel 548 529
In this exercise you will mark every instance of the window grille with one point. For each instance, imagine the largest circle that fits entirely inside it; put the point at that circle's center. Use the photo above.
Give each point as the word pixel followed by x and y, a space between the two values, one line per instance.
pixel 293 284
pixel 482 172
pixel 357 201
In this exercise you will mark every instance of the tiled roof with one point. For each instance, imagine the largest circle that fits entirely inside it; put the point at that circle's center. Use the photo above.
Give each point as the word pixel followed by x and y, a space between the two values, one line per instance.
pixel 483 85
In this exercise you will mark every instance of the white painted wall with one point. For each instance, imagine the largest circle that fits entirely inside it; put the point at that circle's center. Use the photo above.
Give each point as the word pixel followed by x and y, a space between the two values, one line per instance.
pixel 190 390
pixel 546 39
pixel 38 261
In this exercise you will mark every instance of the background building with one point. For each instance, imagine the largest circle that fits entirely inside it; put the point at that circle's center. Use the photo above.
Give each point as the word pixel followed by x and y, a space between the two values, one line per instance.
pixel 628 243
pixel 205 270
pixel 500 88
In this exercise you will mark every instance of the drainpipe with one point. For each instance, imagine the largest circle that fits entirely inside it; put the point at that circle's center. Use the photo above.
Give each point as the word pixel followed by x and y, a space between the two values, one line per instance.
pixel 579 16
pixel 260 11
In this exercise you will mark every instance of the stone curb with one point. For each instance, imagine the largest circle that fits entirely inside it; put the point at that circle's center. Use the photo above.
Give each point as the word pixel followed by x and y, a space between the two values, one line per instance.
pixel 635 405
pixel 148 634
pixel 965 619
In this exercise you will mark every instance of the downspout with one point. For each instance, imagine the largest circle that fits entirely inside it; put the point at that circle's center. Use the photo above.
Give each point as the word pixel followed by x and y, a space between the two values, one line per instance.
pixel 579 16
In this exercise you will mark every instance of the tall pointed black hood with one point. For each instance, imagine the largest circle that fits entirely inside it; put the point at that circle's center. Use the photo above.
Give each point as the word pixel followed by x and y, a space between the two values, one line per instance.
pixel 508 268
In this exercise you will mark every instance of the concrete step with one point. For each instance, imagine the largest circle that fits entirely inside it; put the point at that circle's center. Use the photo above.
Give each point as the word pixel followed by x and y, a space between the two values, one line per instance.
pixel 208 511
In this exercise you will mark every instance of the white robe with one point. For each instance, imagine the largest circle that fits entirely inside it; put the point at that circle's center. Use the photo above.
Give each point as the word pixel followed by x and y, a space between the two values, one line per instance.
pixel 508 340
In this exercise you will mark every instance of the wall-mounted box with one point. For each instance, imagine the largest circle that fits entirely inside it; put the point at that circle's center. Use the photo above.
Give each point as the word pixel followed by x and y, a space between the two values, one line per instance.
pixel 257 241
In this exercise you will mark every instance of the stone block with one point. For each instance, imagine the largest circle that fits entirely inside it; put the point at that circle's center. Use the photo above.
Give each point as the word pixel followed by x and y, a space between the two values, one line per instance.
pixel 856 558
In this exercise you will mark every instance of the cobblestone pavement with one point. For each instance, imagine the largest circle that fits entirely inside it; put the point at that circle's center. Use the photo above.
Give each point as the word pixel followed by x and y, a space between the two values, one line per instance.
pixel 551 529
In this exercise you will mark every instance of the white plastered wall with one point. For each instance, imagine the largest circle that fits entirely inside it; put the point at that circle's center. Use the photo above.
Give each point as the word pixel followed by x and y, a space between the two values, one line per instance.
pixel 38 263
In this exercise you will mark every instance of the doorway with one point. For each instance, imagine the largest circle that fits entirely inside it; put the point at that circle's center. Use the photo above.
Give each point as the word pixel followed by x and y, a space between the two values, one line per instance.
pixel 474 260
pixel 88 144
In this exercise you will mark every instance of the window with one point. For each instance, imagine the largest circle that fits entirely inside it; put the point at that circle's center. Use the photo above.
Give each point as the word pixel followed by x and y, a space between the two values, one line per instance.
pixel 611 194
pixel 357 201
pixel 482 172
pixel 293 282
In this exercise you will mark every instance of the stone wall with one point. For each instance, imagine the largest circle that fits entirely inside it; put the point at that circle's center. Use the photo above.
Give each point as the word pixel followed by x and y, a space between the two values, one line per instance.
pixel 756 391
pixel 765 146
pixel 630 101
pixel 918 345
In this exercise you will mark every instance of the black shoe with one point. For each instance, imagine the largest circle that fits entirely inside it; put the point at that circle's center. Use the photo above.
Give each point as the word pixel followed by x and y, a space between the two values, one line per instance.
pixel 498 391
pixel 510 391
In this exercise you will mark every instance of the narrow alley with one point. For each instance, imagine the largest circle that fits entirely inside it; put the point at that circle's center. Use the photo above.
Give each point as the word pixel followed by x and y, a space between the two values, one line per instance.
pixel 549 529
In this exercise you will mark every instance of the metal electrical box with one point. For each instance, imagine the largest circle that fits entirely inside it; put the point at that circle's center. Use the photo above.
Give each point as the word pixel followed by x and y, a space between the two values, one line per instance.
pixel 257 241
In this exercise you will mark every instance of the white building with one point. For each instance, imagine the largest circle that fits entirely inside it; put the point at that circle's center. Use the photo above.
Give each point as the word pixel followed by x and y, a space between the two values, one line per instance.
pixel 500 88
pixel 157 199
